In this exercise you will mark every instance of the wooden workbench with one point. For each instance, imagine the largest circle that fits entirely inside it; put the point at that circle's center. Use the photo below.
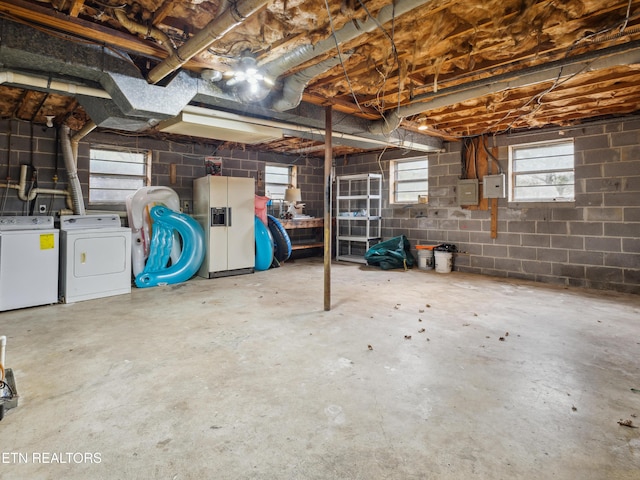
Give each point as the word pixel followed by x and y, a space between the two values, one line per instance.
pixel 317 226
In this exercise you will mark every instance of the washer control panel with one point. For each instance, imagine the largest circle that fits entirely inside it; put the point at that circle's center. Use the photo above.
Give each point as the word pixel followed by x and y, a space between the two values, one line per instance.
pixel 18 222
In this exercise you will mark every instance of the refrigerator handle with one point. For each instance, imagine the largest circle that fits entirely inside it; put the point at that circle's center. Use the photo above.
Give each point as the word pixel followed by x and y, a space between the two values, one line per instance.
pixel 228 216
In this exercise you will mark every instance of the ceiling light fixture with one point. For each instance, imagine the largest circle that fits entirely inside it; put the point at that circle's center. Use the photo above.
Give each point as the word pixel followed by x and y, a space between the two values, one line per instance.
pixel 248 81
pixel 50 120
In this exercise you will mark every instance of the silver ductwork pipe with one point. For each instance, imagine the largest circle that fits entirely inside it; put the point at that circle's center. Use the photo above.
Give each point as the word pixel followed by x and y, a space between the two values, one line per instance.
pixel 72 172
pixel 216 29
pixel 626 54
pixel 389 123
pixel 294 85
pixel 347 33
pixel 292 94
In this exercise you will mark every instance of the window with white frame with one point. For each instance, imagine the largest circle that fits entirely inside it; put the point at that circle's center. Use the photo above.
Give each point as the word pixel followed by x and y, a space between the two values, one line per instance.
pixel 114 174
pixel 409 180
pixel 276 180
pixel 542 172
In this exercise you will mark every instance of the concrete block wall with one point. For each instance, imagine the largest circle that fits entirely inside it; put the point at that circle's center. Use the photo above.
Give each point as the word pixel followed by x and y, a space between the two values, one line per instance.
pixel 593 242
pixel 34 146
pixel 189 158
pixel 21 144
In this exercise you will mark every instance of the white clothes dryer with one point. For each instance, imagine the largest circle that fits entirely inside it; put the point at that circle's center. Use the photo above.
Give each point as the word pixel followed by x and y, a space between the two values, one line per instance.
pixel 95 257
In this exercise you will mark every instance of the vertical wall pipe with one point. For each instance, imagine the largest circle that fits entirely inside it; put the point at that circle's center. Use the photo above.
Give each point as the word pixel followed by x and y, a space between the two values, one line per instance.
pixel 70 162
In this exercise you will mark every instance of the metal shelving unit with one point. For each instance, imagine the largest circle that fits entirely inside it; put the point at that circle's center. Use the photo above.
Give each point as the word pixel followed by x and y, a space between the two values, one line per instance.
pixel 358 218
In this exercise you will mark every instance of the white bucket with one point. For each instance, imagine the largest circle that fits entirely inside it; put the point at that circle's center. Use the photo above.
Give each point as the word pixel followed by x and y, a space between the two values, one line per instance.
pixel 425 259
pixel 444 261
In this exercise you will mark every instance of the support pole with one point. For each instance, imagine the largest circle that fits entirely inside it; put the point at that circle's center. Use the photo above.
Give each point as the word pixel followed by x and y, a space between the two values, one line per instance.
pixel 328 161
pixel 494 201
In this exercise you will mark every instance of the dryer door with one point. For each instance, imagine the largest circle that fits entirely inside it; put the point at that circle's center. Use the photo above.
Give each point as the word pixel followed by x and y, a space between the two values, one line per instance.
pixel 99 255
pixel 98 264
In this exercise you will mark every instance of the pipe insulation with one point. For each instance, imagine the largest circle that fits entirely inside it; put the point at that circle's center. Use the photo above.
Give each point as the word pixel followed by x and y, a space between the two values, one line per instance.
pixel 229 19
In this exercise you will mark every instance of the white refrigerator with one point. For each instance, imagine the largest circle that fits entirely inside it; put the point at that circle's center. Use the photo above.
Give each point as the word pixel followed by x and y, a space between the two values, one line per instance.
pixel 224 206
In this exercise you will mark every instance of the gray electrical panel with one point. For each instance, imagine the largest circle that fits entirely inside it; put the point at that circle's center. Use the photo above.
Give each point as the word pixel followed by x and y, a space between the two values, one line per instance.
pixel 467 192
pixel 493 186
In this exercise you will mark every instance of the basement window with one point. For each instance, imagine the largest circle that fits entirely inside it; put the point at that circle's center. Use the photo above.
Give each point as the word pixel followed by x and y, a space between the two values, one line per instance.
pixel 542 172
pixel 277 179
pixel 114 174
pixel 410 180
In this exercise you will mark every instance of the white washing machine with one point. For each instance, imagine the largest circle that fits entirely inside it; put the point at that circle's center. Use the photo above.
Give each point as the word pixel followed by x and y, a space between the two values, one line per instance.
pixel 95 257
pixel 28 262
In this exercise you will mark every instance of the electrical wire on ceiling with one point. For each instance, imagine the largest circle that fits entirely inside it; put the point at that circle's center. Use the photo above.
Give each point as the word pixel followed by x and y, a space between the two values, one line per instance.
pixel 601 35
pixel 626 20
pixel 596 37
pixel 537 98
pixel 344 68
pixel 394 50
pixel 106 5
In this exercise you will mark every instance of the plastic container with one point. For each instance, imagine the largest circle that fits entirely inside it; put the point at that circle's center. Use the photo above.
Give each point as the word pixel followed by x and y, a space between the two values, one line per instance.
pixel 425 257
pixel 443 255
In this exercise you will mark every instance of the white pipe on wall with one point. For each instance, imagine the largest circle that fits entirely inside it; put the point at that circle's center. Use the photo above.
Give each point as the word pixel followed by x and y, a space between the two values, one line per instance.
pixel 21 187
pixel 54 85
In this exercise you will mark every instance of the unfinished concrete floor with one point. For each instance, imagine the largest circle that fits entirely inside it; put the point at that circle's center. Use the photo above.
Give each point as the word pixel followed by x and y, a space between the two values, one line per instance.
pixel 411 375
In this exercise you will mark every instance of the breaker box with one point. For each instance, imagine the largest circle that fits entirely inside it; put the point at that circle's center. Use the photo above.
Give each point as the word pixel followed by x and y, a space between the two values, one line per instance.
pixel 467 192
pixel 493 186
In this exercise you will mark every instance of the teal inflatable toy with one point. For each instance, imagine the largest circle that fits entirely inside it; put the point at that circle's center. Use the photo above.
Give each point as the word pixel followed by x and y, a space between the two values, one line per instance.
pixel 264 246
pixel 281 240
pixel 156 270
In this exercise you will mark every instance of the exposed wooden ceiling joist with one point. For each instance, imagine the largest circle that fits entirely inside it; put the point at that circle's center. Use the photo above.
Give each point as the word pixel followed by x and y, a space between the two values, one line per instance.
pixel 440 46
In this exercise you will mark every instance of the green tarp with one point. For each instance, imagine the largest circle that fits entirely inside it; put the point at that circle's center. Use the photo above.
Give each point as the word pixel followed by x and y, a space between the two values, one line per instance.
pixel 392 253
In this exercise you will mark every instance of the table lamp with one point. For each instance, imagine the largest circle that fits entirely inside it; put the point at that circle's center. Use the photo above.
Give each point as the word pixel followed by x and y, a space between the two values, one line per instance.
pixel 292 196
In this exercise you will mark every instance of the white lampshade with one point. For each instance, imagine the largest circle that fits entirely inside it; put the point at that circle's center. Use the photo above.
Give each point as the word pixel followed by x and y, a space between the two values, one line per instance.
pixel 292 195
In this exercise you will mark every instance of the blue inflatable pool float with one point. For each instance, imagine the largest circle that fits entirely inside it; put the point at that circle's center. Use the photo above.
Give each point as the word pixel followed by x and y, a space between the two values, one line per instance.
pixel 281 239
pixel 165 222
pixel 264 245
